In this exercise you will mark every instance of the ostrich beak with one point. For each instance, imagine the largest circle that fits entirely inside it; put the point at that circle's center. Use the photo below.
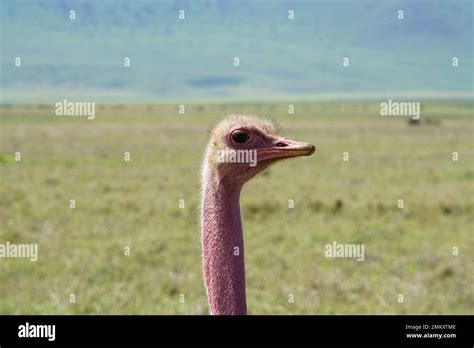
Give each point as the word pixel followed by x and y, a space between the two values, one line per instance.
pixel 294 148
pixel 286 148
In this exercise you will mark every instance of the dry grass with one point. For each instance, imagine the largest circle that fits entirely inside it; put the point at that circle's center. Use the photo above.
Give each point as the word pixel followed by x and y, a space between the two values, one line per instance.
pixel 135 204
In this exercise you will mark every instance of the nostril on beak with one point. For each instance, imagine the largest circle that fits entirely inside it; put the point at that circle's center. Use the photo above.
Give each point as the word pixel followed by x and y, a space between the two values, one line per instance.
pixel 280 144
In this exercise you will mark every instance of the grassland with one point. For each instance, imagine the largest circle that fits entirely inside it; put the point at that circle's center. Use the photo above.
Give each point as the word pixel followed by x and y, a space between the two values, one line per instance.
pixel 409 251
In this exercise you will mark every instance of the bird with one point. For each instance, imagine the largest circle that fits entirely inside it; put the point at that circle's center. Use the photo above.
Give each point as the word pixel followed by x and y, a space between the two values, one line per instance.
pixel 246 138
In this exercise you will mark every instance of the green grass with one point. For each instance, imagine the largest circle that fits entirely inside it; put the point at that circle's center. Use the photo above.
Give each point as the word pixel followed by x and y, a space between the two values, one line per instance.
pixel 135 204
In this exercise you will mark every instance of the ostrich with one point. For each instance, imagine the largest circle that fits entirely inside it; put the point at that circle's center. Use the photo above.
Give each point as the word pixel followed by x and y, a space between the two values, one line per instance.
pixel 221 225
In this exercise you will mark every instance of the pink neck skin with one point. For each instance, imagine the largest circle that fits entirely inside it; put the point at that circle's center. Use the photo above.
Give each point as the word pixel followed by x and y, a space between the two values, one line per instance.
pixel 221 235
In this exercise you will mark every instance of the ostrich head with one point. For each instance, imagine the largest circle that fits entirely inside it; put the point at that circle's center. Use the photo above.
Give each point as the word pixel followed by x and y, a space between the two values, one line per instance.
pixel 241 146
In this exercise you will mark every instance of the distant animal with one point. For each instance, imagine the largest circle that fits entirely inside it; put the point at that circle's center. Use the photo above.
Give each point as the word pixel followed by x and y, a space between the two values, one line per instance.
pixel 222 180
pixel 413 121
pixel 428 121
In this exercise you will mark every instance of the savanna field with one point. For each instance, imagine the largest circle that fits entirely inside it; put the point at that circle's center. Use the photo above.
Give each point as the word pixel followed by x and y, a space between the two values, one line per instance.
pixel 136 204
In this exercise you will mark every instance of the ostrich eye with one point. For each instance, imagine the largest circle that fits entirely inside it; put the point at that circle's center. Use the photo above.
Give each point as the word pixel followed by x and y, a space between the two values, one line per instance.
pixel 240 137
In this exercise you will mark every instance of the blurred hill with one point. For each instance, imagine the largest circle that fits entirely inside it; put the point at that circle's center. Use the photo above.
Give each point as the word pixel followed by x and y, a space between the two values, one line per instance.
pixel 193 58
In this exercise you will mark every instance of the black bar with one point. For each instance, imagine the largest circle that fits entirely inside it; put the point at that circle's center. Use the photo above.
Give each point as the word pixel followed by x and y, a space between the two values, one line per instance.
pixel 141 330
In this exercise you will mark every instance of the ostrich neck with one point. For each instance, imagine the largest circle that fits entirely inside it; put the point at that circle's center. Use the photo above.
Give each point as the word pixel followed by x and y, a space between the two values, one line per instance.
pixel 223 246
